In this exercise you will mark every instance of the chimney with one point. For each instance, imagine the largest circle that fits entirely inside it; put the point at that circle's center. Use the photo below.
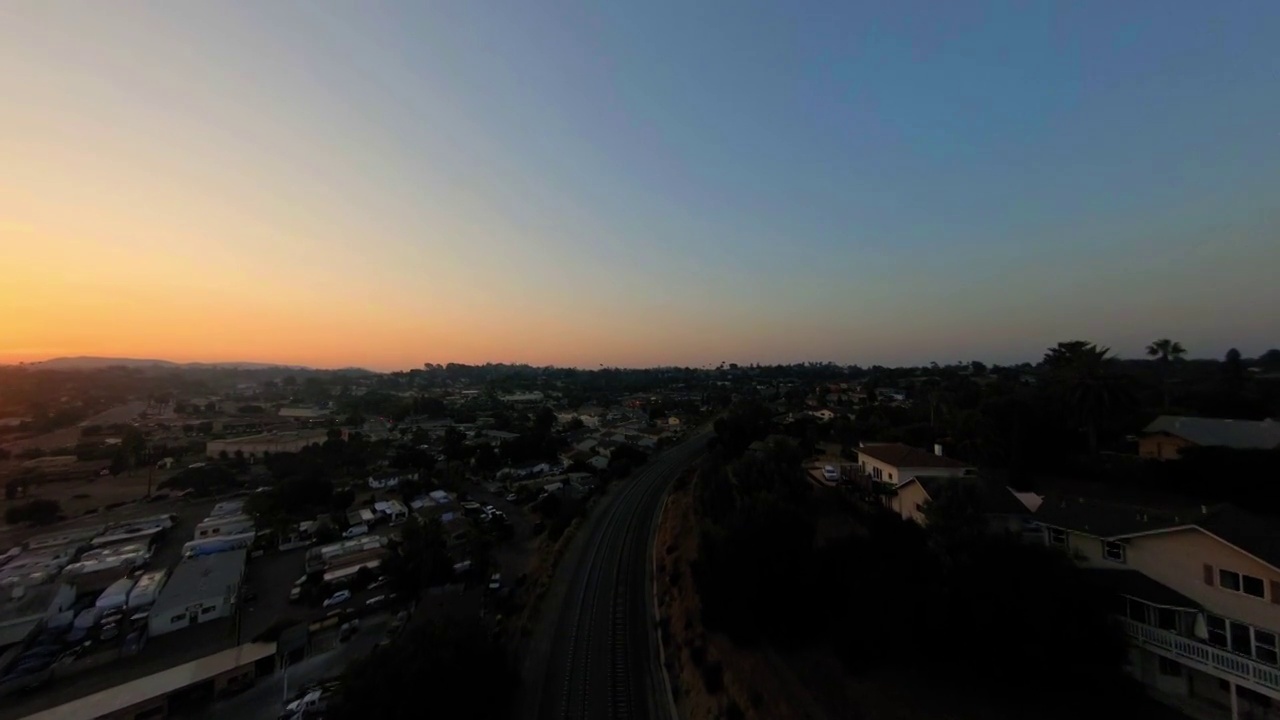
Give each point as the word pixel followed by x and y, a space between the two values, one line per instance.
pixel 937 449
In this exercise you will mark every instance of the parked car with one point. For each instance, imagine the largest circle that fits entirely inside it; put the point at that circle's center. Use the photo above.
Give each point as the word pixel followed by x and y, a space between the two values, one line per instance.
pixel 348 630
pixel 379 582
pixel 356 531
pixel 513 498
pixel 295 593
pixel 374 603
pixel 495 582
pixel 110 631
pixel 338 598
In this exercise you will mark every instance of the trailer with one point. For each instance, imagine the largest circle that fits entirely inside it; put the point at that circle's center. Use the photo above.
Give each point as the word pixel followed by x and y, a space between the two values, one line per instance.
pixel 347 574
pixel 148 587
pixel 225 543
pixel 220 526
pixel 115 596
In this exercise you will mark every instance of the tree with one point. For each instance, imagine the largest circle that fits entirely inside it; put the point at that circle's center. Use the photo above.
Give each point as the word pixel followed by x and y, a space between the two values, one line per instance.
pixel 1086 380
pixel 1233 371
pixel 421 560
pixel 1166 351
pixel 458 664
pixel 36 512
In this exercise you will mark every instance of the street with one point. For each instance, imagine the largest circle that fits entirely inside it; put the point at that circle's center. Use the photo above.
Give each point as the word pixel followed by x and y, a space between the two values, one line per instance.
pixel 264 701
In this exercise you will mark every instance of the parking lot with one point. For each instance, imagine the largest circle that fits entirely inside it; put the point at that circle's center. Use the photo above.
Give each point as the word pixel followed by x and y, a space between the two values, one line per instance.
pixel 268 579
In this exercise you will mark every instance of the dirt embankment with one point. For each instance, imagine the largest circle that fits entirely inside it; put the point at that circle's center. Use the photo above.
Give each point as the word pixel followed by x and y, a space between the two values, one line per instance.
pixel 712 677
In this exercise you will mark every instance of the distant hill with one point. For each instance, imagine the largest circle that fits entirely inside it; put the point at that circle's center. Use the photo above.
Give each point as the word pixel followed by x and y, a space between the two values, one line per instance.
pixel 93 363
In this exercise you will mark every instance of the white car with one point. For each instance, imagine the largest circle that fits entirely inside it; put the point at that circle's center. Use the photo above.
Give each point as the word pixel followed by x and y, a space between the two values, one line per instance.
pixel 338 598
pixel 356 531
pixel 495 582
pixel 830 473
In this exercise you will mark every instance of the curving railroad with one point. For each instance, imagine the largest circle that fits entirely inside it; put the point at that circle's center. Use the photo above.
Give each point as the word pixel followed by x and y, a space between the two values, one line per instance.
pixel 597 656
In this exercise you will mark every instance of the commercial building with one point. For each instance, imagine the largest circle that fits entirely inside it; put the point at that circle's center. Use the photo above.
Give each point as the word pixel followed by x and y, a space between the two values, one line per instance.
pixel 254 446
pixel 148 697
pixel 200 589
pixel 1198 593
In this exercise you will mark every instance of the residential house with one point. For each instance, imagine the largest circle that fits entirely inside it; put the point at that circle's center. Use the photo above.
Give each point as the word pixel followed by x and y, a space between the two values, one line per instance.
pixel 391 478
pixel 599 462
pixel 500 436
pixel 1004 510
pixel 1198 596
pixel 1167 435
pixel 606 447
pixel 896 463
pixel 576 456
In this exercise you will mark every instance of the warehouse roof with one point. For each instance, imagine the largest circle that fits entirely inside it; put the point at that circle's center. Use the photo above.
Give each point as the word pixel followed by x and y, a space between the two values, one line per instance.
pixel 200 578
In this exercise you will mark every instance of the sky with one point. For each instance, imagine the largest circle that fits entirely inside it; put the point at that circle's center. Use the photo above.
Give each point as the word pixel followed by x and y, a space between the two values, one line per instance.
pixel 631 184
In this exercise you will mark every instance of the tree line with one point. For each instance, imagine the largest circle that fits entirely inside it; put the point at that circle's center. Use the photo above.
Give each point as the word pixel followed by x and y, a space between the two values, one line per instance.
pixel 951 602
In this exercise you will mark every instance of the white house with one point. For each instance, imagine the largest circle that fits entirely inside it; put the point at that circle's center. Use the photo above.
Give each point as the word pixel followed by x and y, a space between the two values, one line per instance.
pixel 895 463
pixel 1198 593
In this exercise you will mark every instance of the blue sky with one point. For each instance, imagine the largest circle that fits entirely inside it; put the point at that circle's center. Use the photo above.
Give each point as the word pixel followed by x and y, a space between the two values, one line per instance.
pixel 653 183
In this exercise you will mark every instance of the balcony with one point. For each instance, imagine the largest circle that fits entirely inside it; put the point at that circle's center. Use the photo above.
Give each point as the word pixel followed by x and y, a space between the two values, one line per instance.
pixel 1203 656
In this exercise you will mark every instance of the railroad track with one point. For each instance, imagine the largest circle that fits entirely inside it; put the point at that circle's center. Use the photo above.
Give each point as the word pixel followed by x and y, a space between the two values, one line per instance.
pixel 601 662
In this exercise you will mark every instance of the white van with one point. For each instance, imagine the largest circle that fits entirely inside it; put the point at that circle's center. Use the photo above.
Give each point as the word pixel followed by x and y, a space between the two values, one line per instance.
pixel 356 531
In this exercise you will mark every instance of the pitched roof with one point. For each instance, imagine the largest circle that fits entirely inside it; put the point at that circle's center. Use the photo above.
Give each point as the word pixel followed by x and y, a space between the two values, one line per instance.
pixel 1108 519
pixel 1216 432
pixel 993 498
pixel 1136 585
pixel 1252 534
pixel 899 455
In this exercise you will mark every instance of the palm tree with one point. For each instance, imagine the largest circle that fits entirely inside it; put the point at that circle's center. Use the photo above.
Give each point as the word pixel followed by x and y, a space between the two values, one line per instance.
pixel 1088 383
pixel 1165 351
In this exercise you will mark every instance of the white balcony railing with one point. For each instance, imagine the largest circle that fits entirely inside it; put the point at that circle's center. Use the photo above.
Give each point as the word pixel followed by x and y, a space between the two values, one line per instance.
pixel 1203 655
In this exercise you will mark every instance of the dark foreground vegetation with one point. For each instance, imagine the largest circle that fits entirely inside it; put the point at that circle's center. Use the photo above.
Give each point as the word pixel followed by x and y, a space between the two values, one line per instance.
pixel 435 669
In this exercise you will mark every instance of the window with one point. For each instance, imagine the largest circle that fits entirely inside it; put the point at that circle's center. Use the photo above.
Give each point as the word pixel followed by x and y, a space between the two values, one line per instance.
pixel 1170 668
pixel 890 477
pixel 1241 583
pixel 1254 586
pixel 1057 536
pixel 1229 580
pixel 207 610
pixel 177 618
pixel 1167 619
pixel 1241 639
pixel 1265 647
pixel 1113 551
pixel 1217 628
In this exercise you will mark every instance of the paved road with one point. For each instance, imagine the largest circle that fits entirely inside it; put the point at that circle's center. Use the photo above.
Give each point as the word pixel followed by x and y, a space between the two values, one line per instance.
pixel 70 436
pixel 265 700
pixel 594 654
